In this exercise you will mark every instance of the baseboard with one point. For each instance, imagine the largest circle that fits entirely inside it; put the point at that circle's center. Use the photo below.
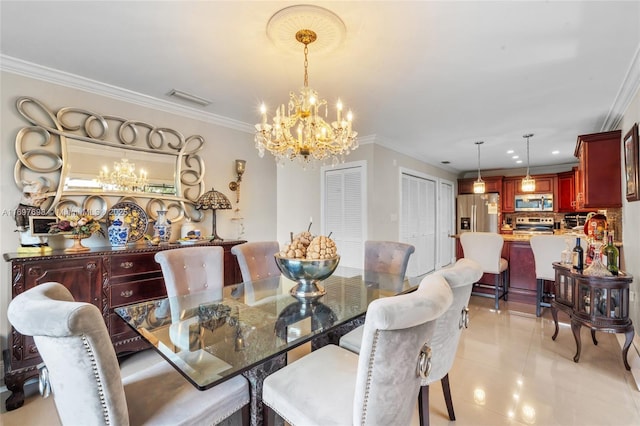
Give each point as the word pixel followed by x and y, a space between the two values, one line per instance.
pixel 633 357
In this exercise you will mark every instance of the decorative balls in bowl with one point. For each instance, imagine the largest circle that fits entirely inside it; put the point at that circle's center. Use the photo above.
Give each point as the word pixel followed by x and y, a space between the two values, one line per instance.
pixel 307 273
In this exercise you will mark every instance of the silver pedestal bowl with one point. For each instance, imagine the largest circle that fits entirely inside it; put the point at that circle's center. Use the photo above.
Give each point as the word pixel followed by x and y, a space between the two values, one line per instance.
pixel 307 273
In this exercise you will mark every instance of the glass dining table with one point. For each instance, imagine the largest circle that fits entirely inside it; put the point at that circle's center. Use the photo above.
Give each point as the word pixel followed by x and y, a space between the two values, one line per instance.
pixel 248 328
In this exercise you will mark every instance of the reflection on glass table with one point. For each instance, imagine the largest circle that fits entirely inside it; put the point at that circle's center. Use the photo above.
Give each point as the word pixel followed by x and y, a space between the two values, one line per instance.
pixel 210 337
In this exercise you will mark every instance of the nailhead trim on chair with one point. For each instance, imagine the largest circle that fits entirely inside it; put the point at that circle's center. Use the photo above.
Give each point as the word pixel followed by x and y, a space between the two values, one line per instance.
pixel 94 367
pixel 369 378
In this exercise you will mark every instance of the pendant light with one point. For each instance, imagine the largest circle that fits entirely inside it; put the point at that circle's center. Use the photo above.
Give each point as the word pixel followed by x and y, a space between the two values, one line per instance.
pixel 478 185
pixel 528 183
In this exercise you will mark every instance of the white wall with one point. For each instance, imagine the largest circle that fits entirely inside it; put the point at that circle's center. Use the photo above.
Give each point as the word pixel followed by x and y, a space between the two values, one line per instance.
pixel 222 147
pixel 630 254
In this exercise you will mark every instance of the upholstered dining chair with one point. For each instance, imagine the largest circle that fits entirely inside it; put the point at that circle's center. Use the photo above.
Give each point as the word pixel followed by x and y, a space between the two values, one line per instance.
pixel 334 386
pixel 546 250
pixel 389 257
pixel 86 381
pixel 446 337
pixel 191 270
pixel 486 249
pixel 256 259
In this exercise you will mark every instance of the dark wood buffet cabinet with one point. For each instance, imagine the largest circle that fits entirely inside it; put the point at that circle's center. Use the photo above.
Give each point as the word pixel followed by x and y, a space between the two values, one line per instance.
pixel 105 277
pixel 600 303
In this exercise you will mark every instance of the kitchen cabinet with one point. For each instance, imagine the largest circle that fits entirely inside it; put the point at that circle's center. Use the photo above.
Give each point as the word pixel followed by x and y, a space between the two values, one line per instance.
pixel 508 194
pixel 105 277
pixel 598 181
pixel 566 199
pixel 492 184
pixel 545 184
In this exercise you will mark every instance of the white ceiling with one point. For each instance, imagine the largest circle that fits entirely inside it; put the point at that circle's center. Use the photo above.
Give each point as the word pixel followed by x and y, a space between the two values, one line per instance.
pixel 425 78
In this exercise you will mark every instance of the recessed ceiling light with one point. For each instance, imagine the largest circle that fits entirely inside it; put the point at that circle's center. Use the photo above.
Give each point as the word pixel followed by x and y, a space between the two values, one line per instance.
pixel 556 152
pixel 519 161
pixel 510 151
pixel 515 157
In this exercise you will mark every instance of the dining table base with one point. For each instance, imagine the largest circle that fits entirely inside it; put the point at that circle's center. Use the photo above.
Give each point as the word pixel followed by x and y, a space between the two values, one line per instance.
pixel 256 376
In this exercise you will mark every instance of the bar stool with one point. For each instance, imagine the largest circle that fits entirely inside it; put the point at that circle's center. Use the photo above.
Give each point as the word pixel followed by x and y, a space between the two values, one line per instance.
pixel 546 250
pixel 486 249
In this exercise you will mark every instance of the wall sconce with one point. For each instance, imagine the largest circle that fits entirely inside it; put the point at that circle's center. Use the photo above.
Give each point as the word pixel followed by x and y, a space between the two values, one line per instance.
pixel 235 185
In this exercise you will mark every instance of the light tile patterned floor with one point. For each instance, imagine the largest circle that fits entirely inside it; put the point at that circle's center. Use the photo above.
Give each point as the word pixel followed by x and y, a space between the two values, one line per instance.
pixel 507 371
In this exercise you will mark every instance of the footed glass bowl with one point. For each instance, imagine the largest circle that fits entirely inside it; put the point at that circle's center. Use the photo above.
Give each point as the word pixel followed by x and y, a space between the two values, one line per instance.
pixel 307 273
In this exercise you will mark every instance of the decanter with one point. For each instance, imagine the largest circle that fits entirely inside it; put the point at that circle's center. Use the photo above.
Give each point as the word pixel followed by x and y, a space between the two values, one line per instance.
pixel 597 268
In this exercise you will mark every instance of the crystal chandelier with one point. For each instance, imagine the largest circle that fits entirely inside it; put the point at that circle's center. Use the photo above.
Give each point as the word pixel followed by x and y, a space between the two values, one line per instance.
pixel 122 178
pixel 478 185
pixel 300 131
pixel 528 183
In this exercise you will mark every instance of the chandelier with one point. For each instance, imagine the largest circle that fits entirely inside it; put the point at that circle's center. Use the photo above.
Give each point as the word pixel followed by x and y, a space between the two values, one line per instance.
pixel 478 185
pixel 528 183
pixel 299 131
pixel 122 178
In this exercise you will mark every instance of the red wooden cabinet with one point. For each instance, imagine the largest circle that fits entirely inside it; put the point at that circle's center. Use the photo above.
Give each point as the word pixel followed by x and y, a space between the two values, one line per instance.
pixel 566 199
pixel 598 181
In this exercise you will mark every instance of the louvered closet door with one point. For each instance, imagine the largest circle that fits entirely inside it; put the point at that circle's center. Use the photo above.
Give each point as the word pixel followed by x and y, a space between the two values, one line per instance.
pixel 418 227
pixel 446 224
pixel 344 213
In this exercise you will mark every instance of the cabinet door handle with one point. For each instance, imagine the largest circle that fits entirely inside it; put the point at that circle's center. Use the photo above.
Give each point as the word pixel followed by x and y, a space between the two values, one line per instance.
pixel 126 293
pixel 126 265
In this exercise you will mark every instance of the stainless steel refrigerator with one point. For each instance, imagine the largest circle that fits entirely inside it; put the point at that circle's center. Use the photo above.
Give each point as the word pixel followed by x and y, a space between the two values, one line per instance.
pixel 478 212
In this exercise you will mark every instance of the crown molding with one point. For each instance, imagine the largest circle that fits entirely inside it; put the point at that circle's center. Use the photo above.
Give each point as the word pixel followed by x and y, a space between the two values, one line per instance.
pixel 628 89
pixel 50 75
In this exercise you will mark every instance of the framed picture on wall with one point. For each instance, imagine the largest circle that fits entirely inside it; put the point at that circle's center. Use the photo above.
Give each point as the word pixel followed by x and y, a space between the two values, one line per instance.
pixel 40 225
pixel 630 142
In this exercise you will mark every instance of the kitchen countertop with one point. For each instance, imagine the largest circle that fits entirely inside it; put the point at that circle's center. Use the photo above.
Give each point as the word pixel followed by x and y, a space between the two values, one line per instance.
pixel 527 237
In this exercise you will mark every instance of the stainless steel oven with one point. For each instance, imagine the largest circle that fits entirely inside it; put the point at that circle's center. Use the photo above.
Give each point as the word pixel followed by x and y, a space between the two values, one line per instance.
pixel 534 203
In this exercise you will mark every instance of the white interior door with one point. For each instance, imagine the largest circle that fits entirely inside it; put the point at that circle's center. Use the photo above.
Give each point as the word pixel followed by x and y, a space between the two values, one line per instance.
pixel 418 221
pixel 446 223
pixel 344 211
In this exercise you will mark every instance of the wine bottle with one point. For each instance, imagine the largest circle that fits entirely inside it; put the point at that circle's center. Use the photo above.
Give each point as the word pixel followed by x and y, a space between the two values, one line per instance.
pixel 578 257
pixel 612 254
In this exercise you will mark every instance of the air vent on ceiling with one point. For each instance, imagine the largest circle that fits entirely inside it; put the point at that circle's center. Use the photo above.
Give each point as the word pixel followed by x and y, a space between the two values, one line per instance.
pixel 189 97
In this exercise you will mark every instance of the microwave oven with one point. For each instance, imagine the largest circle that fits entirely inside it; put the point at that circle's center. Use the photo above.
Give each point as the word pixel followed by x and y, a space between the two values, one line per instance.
pixel 534 203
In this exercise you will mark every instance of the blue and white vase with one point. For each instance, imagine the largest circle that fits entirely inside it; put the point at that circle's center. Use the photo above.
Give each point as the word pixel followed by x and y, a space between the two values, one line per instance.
pixel 118 231
pixel 162 227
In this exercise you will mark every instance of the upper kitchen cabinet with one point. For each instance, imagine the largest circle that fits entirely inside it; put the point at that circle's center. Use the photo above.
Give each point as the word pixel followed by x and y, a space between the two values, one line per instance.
pixel 491 183
pixel 509 194
pixel 598 178
pixel 566 198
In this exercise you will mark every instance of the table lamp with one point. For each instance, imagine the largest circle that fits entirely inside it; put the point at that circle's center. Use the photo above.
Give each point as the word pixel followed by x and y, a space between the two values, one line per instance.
pixel 213 200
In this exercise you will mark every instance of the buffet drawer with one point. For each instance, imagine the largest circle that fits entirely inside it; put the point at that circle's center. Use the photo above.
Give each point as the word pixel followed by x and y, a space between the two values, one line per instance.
pixel 129 265
pixel 137 291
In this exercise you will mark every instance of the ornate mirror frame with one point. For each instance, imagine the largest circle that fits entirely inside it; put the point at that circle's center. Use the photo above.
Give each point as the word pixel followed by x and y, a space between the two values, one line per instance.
pixel 43 154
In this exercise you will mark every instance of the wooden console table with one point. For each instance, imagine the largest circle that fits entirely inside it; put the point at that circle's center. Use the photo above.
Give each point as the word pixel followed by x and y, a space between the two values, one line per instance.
pixel 105 277
pixel 600 303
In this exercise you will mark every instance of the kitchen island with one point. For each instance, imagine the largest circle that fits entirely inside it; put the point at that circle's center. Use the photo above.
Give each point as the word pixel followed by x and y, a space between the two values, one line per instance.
pixel 522 270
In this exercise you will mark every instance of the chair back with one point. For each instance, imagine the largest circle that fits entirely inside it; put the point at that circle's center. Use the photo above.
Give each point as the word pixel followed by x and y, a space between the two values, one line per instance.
pixel 484 248
pixel 256 259
pixel 395 330
pixel 546 250
pixel 74 344
pixel 449 326
pixel 192 269
pixel 389 257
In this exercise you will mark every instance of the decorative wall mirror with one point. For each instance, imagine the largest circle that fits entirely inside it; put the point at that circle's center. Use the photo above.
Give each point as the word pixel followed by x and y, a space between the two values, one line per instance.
pixel 90 161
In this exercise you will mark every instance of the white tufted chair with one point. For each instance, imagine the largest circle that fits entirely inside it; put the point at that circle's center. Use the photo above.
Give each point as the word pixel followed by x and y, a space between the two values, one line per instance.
pixel 447 333
pixel 191 270
pixel 85 378
pixel 486 249
pixel 389 257
pixel 256 259
pixel 546 250
pixel 334 386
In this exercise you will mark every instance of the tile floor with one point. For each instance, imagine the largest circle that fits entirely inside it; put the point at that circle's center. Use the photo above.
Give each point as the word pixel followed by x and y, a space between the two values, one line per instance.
pixel 507 371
